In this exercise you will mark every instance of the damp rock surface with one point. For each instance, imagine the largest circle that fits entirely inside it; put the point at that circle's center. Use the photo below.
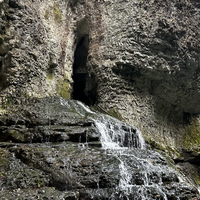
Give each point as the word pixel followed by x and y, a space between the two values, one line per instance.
pixel 140 58
pixel 52 148
pixel 142 66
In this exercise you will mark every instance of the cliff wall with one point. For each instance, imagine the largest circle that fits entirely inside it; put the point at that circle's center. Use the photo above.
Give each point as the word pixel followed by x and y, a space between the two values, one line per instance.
pixel 141 62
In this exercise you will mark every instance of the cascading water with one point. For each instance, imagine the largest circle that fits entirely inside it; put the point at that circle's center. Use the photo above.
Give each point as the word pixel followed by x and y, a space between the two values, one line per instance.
pixel 136 170
pixel 144 174
pixel 62 146
pixel 116 136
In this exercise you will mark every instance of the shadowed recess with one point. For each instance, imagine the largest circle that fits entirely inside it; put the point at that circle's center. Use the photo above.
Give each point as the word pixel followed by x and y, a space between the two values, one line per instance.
pixel 84 87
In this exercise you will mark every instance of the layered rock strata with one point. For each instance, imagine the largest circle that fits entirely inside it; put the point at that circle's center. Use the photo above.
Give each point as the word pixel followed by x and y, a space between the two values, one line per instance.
pixel 139 59
pixel 50 149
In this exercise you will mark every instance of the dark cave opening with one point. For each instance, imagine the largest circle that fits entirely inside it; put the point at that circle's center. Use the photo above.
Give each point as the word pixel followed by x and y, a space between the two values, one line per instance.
pixel 0 66
pixel 84 86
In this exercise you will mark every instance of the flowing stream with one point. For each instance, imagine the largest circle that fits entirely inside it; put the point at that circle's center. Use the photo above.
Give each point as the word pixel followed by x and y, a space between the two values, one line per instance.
pixel 138 175
pixel 144 174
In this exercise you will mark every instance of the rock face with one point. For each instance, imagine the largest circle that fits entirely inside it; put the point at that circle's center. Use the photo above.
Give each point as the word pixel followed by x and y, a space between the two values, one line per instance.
pixel 136 59
pixel 152 80
pixel 36 39
pixel 50 149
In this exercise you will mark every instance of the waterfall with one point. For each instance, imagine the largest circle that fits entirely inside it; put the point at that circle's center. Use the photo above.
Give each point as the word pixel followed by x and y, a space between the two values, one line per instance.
pixel 116 135
pixel 143 173
pixel 127 144
pixel 62 149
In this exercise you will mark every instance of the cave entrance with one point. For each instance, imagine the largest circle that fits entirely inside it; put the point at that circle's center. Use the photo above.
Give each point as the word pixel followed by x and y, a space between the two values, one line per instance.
pixel 84 87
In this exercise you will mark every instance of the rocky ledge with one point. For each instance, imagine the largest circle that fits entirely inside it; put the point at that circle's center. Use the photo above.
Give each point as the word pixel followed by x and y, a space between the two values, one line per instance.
pixel 50 149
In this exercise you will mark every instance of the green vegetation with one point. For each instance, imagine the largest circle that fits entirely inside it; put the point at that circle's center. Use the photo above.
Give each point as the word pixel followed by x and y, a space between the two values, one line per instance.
pixel 196 178
pixel 114 112
pixel 192 135
pixel 3 158
pixel 57 13
pixel 154 144
pixel 163 147
pixel 16 135
pixel 63 88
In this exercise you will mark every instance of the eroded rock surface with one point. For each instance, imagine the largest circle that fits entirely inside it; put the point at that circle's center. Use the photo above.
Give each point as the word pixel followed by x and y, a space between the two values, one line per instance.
pixel 50 149
pixel 139 59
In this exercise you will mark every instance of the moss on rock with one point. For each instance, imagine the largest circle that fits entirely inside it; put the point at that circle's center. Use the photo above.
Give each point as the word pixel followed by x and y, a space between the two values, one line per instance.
pixel 63 88
pixel 191 137
pixel 115 113
pixel 154 144
pixel 57 13
pixel 170 151
pixel 196 178
pixel 3 156
pixel 16 135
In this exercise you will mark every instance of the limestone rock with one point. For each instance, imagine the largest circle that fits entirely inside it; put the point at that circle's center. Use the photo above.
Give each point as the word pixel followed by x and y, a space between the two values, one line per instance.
pixel 47 167
pixel 139 59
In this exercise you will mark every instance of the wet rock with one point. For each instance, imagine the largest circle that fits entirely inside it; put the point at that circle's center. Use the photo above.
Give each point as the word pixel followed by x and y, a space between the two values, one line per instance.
pixel 145 64
pixel 14 4
pixel 95 194
pixel 67 161
pixel 170 177
pixel 47 125
pixel 60 182
pixel 173 192
pixel 95 144
pixel 190 171
pixel 2 123
pixel 13 135
pixel 188 164
pixel 43 193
